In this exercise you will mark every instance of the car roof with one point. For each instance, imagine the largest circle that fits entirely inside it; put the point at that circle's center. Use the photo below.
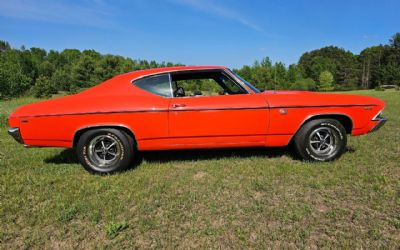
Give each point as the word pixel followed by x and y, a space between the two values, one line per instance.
pixel 152 71
pixel 121 83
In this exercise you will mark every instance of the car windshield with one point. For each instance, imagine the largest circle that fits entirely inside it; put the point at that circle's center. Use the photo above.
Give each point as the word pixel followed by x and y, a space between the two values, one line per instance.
pixel 245 82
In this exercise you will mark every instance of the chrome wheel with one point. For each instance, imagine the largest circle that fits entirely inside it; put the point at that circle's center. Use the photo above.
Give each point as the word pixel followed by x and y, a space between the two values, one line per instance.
pixel 104 151
pixel 323 141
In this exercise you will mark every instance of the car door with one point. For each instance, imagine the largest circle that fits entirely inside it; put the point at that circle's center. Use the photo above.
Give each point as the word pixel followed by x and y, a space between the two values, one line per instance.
pixel 220 120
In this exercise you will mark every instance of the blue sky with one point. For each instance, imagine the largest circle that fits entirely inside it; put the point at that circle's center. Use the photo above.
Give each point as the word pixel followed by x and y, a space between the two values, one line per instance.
pixel 200 32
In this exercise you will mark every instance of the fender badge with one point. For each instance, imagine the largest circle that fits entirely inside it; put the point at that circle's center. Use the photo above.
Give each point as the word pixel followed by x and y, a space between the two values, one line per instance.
pixel 283 111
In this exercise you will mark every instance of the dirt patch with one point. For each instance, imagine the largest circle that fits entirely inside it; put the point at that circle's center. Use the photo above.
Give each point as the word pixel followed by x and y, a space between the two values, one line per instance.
pixel 199 175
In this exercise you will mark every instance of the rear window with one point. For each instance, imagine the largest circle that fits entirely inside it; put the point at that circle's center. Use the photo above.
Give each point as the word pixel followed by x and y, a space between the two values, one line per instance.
pixel 158 85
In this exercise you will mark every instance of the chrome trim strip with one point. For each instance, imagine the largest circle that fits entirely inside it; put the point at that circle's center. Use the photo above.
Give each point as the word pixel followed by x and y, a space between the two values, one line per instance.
pixel 217 109
pixel 100 113
pixel 324 106
pixel 144 111
pixel 172 71
pixel 223 70
pixel 170 85
pixel 199 109
pixel 238 81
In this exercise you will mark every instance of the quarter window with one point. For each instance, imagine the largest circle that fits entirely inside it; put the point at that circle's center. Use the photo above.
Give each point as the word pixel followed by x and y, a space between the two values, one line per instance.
pixel 159 85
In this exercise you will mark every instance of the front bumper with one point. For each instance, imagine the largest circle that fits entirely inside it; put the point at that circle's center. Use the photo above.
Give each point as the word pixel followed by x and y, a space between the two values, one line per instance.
pixel 380 123
pixel 14 132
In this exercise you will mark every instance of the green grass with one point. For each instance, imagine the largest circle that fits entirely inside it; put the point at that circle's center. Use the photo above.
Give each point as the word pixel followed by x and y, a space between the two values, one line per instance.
pixel 243 198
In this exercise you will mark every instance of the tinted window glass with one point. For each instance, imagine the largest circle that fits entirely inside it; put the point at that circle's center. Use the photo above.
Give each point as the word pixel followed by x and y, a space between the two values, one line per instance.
pixel 158 85
pixel 234 88
pixel 256 90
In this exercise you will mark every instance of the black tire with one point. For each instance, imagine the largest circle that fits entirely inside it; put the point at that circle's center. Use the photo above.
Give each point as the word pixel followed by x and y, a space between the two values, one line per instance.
pixel 311 142
pixel 106 150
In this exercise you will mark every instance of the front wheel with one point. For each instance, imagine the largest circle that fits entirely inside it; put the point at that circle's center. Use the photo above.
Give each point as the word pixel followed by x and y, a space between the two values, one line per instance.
pixel 103 151
pixel 321 140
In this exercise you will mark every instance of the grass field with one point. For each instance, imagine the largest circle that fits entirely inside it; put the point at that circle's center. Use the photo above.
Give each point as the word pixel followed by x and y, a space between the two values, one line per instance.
pixel 243 198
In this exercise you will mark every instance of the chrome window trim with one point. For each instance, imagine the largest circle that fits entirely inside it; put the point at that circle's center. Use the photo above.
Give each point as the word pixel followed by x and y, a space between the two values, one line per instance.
pixel 154 75
pixel 225 71
pixel 238 81
pixel 170 85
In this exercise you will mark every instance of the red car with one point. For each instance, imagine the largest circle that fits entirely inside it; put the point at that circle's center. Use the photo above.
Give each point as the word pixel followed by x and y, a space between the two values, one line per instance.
pixel 191 107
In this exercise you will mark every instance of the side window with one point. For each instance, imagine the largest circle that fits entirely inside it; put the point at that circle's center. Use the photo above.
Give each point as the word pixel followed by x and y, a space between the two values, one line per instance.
pixel 197 87
pixel 204 83
pixel 159 85
pixel 233 87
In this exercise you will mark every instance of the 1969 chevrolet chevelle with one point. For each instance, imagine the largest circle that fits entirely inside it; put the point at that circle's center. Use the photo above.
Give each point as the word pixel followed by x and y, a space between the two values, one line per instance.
pixel 192 107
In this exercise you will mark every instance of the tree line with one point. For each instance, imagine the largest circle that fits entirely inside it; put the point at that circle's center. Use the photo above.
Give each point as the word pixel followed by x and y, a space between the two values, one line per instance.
pixel 331 68
pixel 42 73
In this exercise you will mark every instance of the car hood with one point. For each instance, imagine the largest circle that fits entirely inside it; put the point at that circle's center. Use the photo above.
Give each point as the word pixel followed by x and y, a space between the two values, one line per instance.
pixel 317 99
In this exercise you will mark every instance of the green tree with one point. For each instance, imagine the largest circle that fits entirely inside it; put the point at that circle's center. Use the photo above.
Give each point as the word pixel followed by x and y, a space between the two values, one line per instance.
pixel 391 74
pixel 325 81
pixel 304 84
pixel 293 73
pixel 62 80
pixel 83 72
pixel 4 46
pixel 343 65
pixel 13 82
pixel 394 42
pixel 107 67
pixel 371 60
pixel 279 75
pixel 43 87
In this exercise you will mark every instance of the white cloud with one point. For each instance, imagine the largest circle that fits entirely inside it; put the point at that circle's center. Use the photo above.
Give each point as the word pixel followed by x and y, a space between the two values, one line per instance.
pixel 93 13
pixel 219 10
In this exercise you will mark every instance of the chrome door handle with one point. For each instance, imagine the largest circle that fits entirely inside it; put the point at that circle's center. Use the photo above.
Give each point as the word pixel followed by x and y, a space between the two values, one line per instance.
pixel 178 105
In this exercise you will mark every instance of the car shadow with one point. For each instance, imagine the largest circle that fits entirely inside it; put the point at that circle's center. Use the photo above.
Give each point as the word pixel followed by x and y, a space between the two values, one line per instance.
pixel 350 150
pixel 209 154
pixel 68 156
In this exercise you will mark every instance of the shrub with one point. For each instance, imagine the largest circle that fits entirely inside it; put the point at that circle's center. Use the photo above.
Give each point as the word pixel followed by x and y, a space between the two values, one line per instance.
pixel 43 87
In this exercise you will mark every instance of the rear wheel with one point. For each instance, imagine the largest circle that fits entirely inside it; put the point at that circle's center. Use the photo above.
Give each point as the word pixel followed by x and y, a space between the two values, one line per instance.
pixel 321 140
pixel 103 151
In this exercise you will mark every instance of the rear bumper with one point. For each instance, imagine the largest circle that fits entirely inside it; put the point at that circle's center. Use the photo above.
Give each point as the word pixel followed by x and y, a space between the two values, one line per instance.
pixel 14 132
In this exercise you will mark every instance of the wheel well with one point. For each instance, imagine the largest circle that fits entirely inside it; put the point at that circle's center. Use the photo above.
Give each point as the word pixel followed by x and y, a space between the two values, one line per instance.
pixel 83 130
pixel 343 119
